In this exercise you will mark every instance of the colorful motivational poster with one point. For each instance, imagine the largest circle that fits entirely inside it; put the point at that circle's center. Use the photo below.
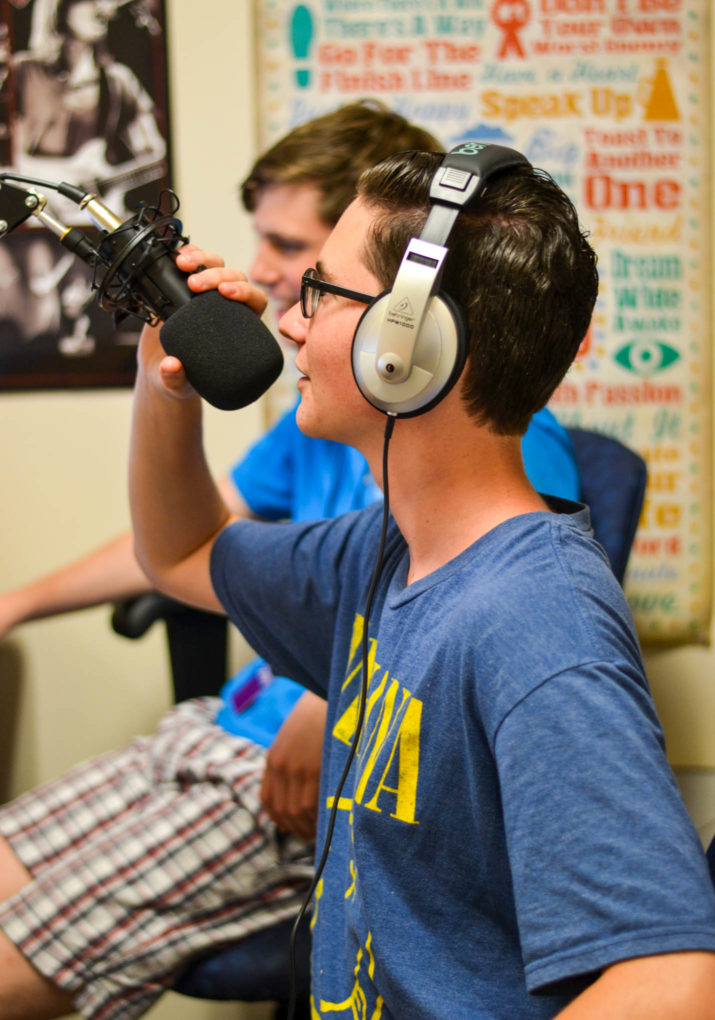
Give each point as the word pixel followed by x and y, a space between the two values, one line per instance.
pixel 611 97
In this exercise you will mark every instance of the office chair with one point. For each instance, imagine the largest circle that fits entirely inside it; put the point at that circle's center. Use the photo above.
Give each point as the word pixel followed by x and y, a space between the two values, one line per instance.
pixel 255 970
pixel 613 482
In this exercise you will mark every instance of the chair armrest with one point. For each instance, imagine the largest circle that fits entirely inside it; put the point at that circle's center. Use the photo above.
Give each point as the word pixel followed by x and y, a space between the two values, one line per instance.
pixel 133 617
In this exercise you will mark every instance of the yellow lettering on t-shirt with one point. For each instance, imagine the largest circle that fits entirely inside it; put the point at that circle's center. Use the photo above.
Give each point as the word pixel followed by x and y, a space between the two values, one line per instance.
pixel 392 721
pixel 356 1005
pixel 344 728
pixel 350 891
pixel 377 738
pixel 407 743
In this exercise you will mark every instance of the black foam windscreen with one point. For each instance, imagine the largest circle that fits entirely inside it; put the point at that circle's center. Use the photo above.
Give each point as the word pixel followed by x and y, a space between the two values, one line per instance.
pixel 230 356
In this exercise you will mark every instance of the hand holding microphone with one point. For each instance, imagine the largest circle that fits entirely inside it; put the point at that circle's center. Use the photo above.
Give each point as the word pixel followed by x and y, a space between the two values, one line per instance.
pixel 194 265
pixel 207 277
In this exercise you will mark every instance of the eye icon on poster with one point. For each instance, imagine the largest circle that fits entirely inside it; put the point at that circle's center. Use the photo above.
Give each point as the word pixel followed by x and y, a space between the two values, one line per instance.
pixel 646 357
pixel 301 37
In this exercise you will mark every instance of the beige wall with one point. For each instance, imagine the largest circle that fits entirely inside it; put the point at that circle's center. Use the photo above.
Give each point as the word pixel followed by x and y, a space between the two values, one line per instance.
pixel 69 687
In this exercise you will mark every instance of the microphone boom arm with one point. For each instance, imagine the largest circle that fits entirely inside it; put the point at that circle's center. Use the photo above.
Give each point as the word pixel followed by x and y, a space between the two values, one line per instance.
pixel 129 266
pixel 18 204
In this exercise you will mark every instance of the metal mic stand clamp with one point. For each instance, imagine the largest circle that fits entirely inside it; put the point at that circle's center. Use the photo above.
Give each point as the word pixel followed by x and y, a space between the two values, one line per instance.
pixel 16 205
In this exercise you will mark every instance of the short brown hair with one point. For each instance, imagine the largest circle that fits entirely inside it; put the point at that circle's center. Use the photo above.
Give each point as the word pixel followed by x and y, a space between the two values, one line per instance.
pixel 519 267
pixel 331 151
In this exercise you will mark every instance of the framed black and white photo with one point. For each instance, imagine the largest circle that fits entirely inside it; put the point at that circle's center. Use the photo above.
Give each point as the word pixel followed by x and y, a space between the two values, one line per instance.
pixel 83 98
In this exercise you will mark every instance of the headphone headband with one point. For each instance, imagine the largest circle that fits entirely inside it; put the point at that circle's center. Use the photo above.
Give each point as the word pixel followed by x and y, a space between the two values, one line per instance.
pixel 460 178
pixel 409 347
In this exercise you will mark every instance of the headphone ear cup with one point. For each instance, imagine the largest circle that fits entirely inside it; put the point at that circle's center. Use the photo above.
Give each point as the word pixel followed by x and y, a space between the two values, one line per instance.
pixel 440 352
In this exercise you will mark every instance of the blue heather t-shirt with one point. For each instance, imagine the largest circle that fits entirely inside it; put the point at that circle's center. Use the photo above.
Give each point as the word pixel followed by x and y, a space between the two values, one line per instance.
pixel 510 824
pixel 288 476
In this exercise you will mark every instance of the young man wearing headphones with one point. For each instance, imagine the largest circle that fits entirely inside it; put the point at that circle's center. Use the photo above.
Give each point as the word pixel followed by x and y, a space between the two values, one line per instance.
pixel 232 748
pixel 505 835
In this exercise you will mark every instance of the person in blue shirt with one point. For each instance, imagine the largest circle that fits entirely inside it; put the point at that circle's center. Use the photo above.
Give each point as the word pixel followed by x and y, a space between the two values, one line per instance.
pixel 215 813
pixel 500 832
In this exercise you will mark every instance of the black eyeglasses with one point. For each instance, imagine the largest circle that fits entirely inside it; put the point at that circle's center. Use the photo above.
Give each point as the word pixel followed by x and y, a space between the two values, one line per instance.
pixel 311 288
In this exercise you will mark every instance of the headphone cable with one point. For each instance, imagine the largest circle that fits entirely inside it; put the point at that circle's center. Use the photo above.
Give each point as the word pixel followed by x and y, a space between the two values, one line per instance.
pixel 389 426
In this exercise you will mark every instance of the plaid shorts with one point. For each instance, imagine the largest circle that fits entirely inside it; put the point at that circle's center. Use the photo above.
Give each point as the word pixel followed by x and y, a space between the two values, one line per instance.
pixel 146 857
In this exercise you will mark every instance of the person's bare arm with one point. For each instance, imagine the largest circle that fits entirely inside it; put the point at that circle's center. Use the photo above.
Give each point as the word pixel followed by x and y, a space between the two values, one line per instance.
pixel 676 986
pixel 145 139
pixel 177 509
pixel 108 574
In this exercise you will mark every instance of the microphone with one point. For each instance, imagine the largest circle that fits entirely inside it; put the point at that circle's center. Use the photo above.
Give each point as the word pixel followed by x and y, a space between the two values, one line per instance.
pixel 229 355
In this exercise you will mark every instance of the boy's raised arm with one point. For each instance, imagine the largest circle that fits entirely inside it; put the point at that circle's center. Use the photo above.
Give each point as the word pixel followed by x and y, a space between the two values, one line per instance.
pixel 177 509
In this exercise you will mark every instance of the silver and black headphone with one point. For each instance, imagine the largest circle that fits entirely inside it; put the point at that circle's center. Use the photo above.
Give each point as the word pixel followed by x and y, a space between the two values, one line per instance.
pixel 410 344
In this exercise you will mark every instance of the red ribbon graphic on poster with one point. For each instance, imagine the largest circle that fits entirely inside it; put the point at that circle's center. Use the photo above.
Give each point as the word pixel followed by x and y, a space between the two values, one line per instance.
pixel 511 16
